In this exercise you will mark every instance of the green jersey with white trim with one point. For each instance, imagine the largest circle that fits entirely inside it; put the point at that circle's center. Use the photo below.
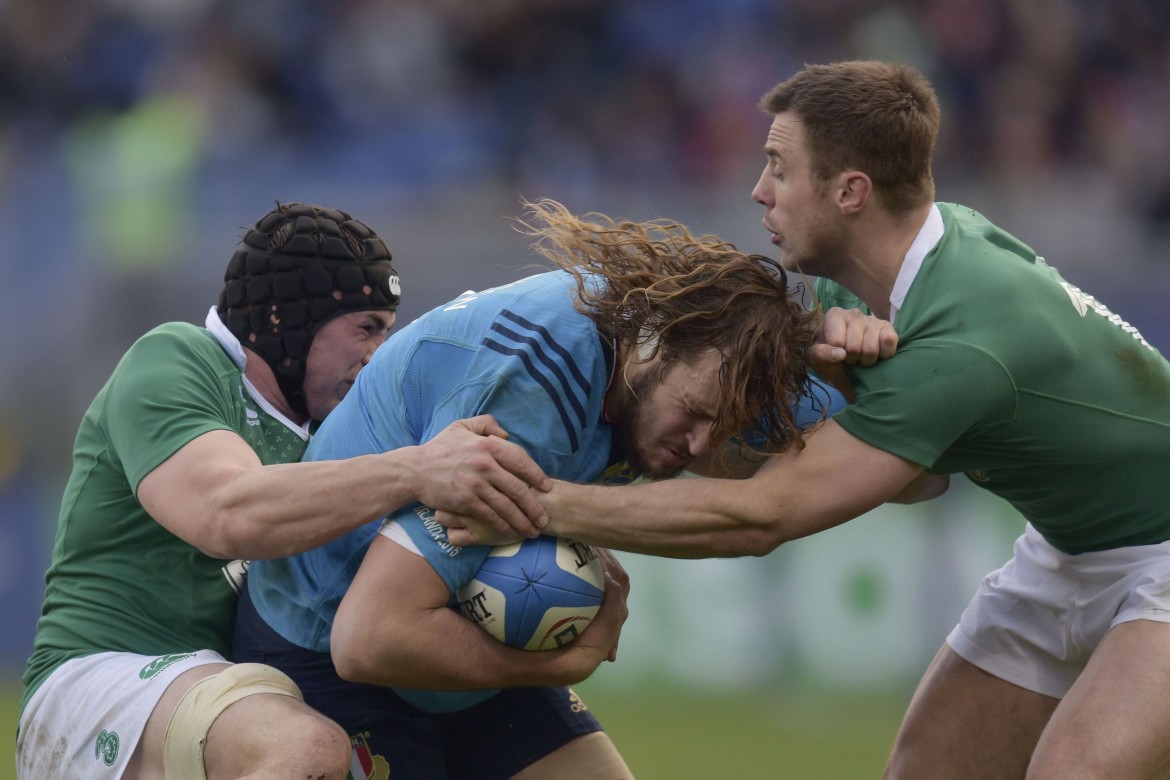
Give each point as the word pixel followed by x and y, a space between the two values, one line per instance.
pixel 1039 393
pixel 119 581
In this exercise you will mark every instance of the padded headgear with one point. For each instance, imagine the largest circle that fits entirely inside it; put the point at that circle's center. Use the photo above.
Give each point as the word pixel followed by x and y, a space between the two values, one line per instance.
pixel 300 267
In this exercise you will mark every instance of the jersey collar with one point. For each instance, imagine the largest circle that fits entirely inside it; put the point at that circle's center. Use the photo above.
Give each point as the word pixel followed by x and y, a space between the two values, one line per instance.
pixel 231 345
pixel 927 239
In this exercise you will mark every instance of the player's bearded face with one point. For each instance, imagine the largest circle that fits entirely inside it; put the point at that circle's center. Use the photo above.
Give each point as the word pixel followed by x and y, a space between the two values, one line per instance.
pixel 663 415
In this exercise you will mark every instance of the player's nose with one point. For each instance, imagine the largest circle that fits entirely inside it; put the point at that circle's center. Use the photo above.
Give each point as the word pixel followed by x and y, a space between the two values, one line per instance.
pixel 699 439
pixel 760 191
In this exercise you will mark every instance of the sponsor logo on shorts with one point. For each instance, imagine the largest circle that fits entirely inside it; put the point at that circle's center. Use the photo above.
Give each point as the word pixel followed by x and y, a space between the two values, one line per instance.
pixel 365 765
pixel 575 702
pixel 106 747
pixel 156 666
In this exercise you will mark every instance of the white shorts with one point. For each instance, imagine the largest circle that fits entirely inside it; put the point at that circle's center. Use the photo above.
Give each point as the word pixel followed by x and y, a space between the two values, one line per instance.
pixel 87 717
pixel 1036 621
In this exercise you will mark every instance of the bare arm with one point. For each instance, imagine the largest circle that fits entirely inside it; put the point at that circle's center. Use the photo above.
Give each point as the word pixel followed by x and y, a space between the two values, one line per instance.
pixel 923 488
pixel 835 478
pixel 393 628
pixel 215 494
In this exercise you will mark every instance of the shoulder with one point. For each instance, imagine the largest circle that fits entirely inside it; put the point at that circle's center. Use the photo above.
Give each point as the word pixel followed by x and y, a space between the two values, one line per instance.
pixel 175 342
pixel 965 227
pixel 171 360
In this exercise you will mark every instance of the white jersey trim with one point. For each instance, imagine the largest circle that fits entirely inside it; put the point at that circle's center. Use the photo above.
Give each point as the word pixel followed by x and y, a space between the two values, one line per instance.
pixel 231 345
pixel 927 239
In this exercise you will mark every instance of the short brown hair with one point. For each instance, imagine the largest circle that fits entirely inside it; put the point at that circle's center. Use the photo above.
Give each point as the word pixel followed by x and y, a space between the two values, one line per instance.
pixel 875 117
pixel 693 293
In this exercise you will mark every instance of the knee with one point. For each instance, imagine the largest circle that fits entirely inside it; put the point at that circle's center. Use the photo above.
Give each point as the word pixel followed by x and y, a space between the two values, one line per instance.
pixel 250 719
pixel 280 741
pixel 323 748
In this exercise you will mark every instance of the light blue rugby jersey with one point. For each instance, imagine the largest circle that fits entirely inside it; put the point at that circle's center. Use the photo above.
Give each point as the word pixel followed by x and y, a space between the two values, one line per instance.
pixel 521 352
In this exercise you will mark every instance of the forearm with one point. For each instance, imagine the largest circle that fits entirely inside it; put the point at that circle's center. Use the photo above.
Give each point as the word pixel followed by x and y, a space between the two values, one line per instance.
pixel 279 510
pixel 678 518
pixel 215 494
pixel 441 650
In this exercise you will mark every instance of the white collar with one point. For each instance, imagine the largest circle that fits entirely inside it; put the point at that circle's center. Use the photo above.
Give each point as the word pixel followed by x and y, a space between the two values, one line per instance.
pixel 231 345
pixel 927 239
pixel 226 338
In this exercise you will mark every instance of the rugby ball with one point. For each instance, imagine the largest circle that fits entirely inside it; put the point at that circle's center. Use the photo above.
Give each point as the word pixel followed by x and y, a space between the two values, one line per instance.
pixel 538 594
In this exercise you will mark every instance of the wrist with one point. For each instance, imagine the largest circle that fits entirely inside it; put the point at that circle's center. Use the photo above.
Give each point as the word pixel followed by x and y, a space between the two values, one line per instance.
pixel 401 474
pixel 555 508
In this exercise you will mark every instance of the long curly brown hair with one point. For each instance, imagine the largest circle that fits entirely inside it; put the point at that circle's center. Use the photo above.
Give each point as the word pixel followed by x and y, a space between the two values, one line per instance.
pixel 670 293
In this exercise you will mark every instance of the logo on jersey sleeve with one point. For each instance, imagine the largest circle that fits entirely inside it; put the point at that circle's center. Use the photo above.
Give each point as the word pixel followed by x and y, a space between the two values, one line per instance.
pixel 1084 303
pixel 1079 300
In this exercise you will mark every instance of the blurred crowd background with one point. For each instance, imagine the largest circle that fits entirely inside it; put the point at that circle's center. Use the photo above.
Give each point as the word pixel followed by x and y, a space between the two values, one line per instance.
pixel 139 138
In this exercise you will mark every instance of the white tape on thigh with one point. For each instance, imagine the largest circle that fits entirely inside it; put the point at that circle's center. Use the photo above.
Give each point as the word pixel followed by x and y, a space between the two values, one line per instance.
pixel 203 702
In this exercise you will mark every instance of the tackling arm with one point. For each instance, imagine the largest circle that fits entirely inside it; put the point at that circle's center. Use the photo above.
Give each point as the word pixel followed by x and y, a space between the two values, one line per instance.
pixel 835 478
pixel 215 494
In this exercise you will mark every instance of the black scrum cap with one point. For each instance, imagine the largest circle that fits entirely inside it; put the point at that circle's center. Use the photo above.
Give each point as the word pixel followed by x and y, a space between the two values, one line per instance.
pixel 300 266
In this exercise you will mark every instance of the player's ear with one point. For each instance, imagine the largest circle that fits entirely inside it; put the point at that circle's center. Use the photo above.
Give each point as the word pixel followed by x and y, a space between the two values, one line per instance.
pixel 853 190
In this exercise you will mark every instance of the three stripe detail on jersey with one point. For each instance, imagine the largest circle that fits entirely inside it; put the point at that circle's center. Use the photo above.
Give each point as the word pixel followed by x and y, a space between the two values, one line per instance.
pixel 549 364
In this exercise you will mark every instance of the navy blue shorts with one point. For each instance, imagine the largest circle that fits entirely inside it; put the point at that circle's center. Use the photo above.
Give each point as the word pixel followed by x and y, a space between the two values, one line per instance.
pixel 494 739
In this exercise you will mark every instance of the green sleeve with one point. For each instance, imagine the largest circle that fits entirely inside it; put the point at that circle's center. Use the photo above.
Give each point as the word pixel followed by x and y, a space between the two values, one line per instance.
pixel 165 392
pixel 919 402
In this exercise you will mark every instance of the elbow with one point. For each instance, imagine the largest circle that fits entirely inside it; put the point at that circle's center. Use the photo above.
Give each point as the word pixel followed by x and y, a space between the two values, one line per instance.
pixel 220 540
pixel 231 533
pixel 351 659
pixel 763 541
pixel 753 542
pixel 924 488
pixel 362 655
pixel 349 666
pixel 937 485
pixel 226 537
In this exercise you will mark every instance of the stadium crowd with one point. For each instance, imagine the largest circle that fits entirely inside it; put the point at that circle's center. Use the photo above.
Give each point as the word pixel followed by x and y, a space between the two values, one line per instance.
pixel 550 93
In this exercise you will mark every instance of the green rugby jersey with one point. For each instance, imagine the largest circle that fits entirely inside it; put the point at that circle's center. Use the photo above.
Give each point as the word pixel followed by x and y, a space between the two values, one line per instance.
pixel 1030 386
pixel 119 581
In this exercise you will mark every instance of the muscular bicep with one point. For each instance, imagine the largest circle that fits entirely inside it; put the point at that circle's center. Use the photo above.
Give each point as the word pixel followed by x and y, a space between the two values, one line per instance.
pixel 389 568
pixel 383 612
pixel 182 492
